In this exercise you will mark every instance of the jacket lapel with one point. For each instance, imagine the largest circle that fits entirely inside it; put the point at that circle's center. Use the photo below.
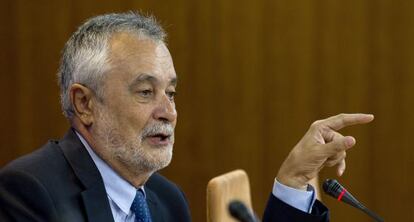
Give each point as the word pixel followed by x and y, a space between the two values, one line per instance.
pixel 153 204
pixel 94 196
pixel 97 208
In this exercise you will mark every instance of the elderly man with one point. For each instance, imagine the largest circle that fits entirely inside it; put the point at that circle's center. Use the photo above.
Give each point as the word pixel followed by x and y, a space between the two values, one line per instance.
pixel 118 84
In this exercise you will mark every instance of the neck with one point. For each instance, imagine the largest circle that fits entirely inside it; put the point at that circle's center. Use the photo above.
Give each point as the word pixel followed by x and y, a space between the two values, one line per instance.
pixel 137 179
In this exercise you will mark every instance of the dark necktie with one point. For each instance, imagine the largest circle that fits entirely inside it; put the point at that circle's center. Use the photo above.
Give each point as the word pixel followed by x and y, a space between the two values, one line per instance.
pixel 140 208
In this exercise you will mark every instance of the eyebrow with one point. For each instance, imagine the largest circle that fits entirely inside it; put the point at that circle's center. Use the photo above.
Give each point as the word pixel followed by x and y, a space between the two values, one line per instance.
pixel 144 77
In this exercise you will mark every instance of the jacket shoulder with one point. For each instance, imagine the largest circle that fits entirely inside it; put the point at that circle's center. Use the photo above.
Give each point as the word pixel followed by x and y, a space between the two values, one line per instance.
pixel 41 161
pixel 23 194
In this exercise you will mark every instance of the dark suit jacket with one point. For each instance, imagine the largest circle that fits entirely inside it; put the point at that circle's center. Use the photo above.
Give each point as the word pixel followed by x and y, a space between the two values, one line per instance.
pixel 60 182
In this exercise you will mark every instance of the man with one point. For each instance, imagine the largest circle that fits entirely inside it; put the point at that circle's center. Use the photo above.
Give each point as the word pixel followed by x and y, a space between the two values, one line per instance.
pixel 117 84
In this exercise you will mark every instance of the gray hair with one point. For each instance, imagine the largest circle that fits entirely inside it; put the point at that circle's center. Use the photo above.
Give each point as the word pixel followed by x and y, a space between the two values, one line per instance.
pixel 85 55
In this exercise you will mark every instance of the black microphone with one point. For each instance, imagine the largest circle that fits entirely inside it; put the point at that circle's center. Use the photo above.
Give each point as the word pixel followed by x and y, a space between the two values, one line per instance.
pixel 239 211
pixel 336 190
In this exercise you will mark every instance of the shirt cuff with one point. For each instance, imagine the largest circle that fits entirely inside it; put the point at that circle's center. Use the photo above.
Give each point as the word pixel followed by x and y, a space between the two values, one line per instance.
pixel 299 199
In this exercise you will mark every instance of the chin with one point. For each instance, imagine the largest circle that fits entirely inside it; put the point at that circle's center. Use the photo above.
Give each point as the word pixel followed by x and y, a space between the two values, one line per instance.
pixel 153 159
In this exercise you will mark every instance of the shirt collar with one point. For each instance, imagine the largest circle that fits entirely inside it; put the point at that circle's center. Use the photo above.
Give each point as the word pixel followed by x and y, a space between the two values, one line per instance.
pixel 120 191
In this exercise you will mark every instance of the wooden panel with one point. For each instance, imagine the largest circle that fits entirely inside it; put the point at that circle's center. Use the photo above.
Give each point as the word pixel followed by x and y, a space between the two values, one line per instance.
pixel 253 75
pixel 9 89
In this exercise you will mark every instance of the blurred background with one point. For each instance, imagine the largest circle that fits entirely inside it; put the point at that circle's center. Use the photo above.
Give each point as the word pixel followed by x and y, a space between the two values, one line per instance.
pixel 253 75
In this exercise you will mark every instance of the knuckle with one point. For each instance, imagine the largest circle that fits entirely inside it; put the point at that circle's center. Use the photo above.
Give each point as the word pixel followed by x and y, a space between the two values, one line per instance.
pixel 316 124
pixel 330 163
pixel 342 118
pixel 338 150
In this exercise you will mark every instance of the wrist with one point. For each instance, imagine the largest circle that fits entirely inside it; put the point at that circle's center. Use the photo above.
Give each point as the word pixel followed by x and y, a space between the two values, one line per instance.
pixel 293 182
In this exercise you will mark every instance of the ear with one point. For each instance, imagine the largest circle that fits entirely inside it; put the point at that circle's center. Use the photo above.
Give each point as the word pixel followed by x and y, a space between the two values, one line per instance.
pixel 82 103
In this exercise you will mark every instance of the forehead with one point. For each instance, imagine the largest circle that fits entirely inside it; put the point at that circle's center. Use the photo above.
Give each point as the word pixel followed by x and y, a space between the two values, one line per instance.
pixel 135 54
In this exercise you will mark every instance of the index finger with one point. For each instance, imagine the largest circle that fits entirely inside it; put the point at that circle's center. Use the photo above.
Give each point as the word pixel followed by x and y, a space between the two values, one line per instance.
pixel 342 120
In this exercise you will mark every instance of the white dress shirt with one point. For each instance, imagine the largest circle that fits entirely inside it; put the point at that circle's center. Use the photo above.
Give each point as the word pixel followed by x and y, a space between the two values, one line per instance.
pixel 299 199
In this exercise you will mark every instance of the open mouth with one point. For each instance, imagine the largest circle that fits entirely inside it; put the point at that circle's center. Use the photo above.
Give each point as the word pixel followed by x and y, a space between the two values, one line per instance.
pixel 159 139
pixel 161 136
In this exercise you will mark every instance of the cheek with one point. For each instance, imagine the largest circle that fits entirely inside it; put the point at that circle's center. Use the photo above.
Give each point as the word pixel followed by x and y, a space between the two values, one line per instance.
pixel 174 123
pixel 135 119
pixel 131 115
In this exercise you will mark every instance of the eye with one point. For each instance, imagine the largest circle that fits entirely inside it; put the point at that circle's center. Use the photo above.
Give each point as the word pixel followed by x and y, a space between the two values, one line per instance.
pixel 171 95
pixel 145 93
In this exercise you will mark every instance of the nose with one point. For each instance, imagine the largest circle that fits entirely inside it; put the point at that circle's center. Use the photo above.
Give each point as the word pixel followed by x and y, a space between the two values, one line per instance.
pixel 165 110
